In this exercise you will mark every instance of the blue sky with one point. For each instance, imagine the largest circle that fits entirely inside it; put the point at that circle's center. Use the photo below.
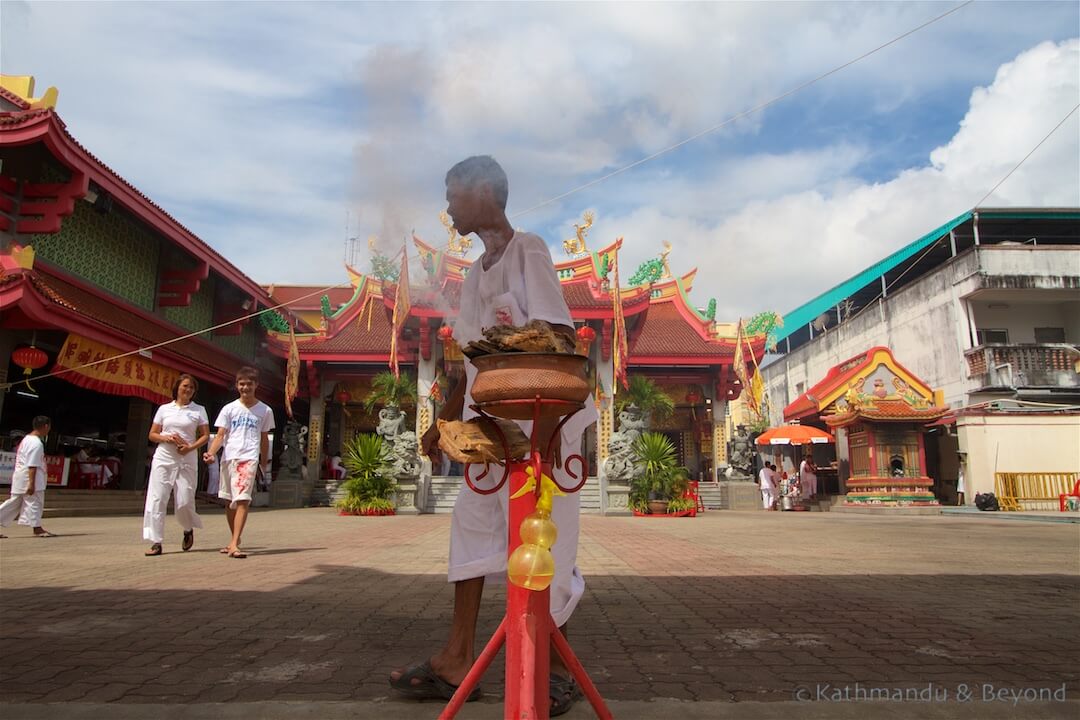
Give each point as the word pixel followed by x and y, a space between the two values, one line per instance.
pixel 262 125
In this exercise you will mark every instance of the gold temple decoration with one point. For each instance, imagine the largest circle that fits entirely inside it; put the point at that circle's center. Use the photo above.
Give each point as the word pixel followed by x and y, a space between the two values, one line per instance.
pixel 575 246
pixel 457 245
pixel 23 86
pixel 663 259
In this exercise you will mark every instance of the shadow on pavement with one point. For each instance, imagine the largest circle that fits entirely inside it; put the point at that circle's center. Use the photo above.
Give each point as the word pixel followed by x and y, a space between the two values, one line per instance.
pixel 337 634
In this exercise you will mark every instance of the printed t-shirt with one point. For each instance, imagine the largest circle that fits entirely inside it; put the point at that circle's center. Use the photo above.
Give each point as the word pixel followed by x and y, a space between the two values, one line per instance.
pixel 244 427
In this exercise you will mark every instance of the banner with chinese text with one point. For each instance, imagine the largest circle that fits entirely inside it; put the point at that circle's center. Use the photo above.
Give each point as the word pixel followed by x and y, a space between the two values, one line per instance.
pixel 95 366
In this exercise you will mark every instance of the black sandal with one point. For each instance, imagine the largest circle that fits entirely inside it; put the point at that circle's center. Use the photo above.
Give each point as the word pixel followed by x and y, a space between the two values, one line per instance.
pixel 563 693
pixel 155 549
pixel 189 540
pixel 430 687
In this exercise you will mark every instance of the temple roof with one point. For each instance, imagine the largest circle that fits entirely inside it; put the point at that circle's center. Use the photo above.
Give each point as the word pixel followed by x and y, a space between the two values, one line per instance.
pixel 45 295
pixel 894 394
pixel 44 125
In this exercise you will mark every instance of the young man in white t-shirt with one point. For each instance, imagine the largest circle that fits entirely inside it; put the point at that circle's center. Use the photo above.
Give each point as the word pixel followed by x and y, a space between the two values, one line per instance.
pixel 512 283
pixel 243 426
pixel 27 501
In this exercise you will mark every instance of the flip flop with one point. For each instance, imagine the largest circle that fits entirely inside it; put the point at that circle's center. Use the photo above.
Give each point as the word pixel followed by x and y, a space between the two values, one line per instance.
pixel 45 533
pixel 238 554
pixel 189 540
pixel 155 549
pixel 430 687
pixel 563 693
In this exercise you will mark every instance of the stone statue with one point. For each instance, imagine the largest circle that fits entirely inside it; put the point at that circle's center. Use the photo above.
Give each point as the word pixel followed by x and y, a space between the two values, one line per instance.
pixel 391 423
pixel 404 458
pixel 741 452
pixel 292 457
pixel 619 465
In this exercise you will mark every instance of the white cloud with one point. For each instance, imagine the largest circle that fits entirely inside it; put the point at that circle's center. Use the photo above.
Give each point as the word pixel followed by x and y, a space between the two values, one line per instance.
pixel 260 125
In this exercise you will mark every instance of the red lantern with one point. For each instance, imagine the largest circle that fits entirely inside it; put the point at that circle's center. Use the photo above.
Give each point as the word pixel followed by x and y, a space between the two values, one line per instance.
pixel 343 397
pixel 586 334
pixel 693 396
pixel 446 333
pixel 30 359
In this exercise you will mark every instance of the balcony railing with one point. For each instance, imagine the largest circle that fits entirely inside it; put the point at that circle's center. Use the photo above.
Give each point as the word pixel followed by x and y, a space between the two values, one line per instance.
pixel 1045 365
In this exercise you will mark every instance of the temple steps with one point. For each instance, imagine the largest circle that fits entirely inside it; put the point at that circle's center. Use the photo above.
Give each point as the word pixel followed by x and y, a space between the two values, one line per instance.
pixel 61 502
pixel 444 490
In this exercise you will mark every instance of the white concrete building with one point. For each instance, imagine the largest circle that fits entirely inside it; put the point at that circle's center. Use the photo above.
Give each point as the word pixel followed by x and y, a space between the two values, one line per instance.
pixel 985 308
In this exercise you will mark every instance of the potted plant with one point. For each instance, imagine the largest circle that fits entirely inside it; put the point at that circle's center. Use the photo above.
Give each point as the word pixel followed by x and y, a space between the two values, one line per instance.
pixel 387 390
pixel 370 488
pixel 658 478
pixel 644 397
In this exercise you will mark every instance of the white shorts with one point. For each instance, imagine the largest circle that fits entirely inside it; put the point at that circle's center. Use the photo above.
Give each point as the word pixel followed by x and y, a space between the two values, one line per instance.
pixel 478 537
pixel 237 480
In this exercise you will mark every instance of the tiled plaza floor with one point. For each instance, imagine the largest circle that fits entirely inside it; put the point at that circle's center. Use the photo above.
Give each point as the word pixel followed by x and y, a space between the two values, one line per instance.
pixel 727 607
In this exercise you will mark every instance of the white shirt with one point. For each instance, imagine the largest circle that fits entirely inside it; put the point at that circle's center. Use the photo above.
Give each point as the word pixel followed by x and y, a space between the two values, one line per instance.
pixel 244 427
pixel 182 420
pixel 765 478
pixel 30 454
pixel 520 287
pixel 804 471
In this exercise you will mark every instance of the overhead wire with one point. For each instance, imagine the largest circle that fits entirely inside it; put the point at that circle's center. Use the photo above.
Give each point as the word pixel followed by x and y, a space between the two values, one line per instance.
pixel 976 206
pixel 757 108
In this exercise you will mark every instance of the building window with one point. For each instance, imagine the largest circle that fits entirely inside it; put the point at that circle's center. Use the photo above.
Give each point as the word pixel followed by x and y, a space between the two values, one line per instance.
pixel 1049 335
pixel 993 335
pixel 799 388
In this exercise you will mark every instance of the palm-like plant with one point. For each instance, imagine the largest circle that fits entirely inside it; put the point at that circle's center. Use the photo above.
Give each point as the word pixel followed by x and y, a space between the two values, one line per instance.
pixel 646 396
pixel 389 390
pixel 658 475
pixel 371 484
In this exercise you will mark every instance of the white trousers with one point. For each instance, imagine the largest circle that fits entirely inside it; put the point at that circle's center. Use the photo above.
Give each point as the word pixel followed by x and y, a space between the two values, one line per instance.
pixel 213 477
pixel 478 537
pixel 179 480
pixel 27 508
pixel 768 497
pixel 809 485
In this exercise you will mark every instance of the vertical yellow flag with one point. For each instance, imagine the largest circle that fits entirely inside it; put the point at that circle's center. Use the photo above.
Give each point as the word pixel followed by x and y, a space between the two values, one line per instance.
pixel 292 372
pixel 619 349
pixel 401 311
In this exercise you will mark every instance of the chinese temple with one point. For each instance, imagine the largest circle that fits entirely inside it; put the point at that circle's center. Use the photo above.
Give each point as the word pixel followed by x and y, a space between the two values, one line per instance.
pixel 109 295
pixel 880 411
pixel 688 354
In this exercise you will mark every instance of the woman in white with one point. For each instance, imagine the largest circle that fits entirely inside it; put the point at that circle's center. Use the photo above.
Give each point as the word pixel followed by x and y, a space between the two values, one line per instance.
pixel 179 428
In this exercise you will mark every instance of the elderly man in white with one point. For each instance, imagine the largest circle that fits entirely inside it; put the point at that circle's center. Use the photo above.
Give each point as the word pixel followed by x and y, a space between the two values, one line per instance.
pixel 512 283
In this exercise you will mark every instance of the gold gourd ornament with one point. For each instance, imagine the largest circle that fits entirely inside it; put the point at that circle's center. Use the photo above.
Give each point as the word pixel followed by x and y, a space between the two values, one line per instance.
pixel 531 565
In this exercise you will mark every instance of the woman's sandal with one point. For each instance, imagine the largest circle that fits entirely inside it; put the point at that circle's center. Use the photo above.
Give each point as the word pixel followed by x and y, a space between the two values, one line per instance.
pixel 155 549
pixel 238 554
pixel 189 540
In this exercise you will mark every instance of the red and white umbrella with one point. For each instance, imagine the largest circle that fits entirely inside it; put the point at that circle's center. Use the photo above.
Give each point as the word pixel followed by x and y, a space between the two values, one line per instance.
pixel 794 435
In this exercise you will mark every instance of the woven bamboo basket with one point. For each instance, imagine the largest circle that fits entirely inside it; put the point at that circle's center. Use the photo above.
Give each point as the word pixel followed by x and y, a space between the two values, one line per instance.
pixel 507 377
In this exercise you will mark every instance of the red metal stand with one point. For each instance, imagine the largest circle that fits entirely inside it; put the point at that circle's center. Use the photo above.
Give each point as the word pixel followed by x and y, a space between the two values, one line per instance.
pixel 527 628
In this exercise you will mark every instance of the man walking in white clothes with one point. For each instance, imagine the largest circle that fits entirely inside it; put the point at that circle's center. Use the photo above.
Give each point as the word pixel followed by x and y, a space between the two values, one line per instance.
pixel 767 487
pixel 27 501
pixel 512 283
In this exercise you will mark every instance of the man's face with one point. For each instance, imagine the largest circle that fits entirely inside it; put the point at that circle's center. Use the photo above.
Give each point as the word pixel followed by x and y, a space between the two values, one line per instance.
pixel 246 388
pixel 464 204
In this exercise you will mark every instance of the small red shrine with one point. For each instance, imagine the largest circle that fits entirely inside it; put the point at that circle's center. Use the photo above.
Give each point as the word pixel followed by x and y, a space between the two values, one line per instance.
pixel 883 410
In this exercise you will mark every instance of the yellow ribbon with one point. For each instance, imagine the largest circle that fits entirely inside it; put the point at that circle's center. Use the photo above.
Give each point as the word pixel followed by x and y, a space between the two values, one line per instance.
pixel 548 490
